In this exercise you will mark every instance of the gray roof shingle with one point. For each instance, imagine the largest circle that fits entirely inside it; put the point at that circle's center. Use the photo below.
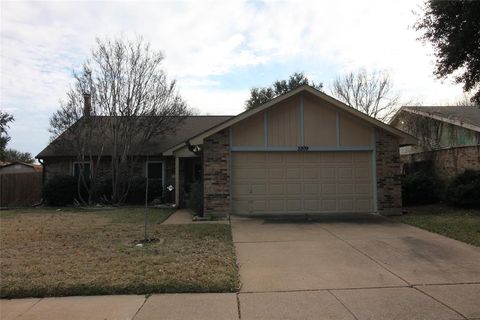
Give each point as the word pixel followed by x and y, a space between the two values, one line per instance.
pixel 468 115
pixel 188 128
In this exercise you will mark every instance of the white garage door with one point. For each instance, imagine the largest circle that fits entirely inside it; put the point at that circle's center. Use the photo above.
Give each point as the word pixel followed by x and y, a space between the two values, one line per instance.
pixel 296 182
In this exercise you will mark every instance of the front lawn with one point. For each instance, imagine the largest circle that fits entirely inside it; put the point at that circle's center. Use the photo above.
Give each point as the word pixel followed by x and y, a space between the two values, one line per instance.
pixel 56 252
pixel 460 224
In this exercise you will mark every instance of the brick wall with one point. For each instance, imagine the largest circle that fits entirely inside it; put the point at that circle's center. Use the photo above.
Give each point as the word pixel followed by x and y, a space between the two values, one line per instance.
pixel 57 166
pixel 216 175
pixel 389 190
pixel 63 166
pixel 448 162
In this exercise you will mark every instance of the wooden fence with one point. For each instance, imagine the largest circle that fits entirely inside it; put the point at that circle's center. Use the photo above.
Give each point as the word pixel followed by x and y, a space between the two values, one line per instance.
pixel 20 189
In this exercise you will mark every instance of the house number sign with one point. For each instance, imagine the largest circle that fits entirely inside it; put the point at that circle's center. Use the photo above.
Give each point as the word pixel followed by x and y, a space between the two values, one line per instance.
pixel 302 148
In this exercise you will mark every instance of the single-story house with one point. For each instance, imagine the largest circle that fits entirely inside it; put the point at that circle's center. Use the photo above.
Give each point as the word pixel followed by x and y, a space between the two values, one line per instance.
pixel 302 152
pixel 448 139
pixel 19 167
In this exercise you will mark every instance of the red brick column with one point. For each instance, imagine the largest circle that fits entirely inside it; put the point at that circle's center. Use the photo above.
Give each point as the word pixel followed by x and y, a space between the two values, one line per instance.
pixel 216 174
pixel 388 165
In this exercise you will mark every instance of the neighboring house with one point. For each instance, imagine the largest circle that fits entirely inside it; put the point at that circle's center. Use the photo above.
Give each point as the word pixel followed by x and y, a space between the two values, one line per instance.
pixel 302 152
pixel 19 167
pixel 449 138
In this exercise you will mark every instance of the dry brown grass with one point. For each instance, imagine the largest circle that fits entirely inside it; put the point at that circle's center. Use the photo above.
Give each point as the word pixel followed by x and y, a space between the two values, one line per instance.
pixel 50 253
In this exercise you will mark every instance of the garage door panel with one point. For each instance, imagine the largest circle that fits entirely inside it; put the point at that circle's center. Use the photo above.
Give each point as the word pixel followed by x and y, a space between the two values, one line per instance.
pixel 329 205
pixel 361 157
pixel 241 206
pixel 293 173
pixel 363 189
pixel 363 204
pixel 241 189
pixel 311 173
pixel 346 188
pixel 294 189
pixel 362 173
pixel 345 205
pixel 259 189
pixel 327 157
pixel 259 205
pixel 275 157
pixel 291 182
pixel 310 188
pixel 327 172
pixel 293 157
pixel 277 189
pixel 345 173
pixel 294 205
pixel 311 205
pixel 276 173
pixel 329 188
pixel 343 157
pixel 276 205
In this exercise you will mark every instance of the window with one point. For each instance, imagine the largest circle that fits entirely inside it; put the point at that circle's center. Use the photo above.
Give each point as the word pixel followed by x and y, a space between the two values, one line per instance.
pixel 155 171
pixel 79 166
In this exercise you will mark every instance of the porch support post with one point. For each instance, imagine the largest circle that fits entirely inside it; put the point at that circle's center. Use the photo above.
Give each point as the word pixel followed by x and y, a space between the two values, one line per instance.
pixel 177 181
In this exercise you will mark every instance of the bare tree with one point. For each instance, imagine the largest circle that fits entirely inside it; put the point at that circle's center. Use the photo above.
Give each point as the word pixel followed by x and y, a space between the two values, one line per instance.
pixel 466 101
pixel 371 93
pixel 132 103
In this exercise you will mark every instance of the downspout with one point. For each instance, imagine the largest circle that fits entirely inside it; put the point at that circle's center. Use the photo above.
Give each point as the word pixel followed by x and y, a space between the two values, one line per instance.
pixel 44 171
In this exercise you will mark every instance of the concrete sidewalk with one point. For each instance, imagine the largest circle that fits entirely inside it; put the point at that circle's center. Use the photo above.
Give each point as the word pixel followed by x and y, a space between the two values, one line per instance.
pixel 426 302
pixel 164 306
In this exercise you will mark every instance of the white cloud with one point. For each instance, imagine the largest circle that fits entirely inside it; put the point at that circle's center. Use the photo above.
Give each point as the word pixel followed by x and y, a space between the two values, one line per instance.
pixel 43 41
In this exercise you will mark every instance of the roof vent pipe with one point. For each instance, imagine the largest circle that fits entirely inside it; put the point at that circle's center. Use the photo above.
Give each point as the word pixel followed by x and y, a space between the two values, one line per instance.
pixel 87 104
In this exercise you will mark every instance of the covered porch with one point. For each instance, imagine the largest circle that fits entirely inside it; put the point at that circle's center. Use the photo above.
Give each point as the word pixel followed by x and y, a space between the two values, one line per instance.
pixel 188 178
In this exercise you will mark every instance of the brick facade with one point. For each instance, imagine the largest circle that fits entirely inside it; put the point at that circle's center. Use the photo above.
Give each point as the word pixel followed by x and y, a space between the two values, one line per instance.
pixel 450 162
pixel 389 189
pixel 57 167
pixel 64 166
pixel 216 174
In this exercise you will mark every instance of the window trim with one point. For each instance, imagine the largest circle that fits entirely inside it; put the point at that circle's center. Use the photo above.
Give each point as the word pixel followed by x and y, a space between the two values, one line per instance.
pixel 79 162
pixel 163 169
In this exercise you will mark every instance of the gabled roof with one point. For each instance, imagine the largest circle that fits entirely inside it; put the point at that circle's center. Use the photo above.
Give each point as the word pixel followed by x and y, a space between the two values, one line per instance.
pixel 5 164
pixel 189 127
pixel 467 117
pixel 405 138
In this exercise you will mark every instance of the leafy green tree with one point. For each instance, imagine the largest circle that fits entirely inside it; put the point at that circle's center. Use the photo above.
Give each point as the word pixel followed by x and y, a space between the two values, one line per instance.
pixel 453 29
pixel 259 95
pixel 5 119
pixel 12 155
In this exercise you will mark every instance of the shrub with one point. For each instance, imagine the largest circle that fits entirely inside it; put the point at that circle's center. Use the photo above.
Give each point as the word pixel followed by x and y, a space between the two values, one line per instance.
pixel 195 198
pixel 420 188
pixel 60 190
pixel 136 194
pixel 464 190
pixel 102 189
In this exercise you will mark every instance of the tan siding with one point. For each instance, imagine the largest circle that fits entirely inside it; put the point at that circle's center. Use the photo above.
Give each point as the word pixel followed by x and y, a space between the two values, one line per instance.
pixel 249 132
pixel 284 123
pixel 319 124
pixel 353 133
pixel 292 182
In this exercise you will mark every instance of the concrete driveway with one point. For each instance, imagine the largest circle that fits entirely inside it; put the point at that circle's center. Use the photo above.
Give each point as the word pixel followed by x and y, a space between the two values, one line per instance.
pixel 353 267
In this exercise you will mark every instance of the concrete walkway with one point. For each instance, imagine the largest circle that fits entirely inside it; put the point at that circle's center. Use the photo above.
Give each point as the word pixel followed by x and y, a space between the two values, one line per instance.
pixel 349 268
pixel 183 216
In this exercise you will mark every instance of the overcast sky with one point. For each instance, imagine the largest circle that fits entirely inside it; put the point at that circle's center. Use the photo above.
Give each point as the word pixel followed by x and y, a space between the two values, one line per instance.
pixel 215 50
